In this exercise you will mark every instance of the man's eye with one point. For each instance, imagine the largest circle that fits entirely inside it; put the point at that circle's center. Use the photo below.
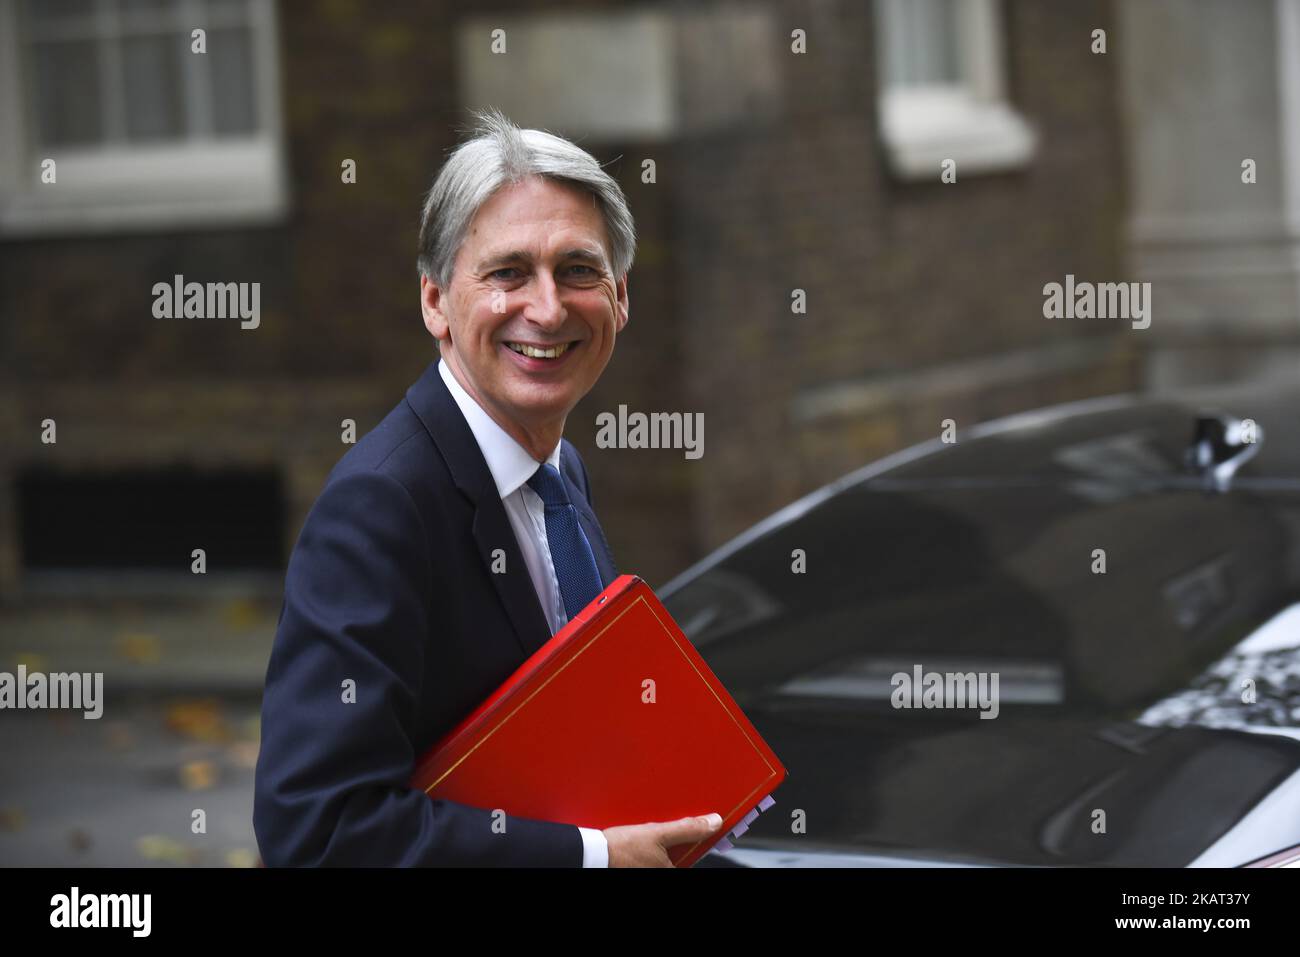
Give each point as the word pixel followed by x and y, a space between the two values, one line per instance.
pixel 498 272
pixel 588 268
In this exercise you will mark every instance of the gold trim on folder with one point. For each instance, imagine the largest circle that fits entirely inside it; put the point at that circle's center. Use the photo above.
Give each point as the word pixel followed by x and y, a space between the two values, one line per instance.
pixel 640 600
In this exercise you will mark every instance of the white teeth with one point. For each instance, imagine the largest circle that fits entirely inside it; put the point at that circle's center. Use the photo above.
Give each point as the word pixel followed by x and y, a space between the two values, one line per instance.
pixel 551 353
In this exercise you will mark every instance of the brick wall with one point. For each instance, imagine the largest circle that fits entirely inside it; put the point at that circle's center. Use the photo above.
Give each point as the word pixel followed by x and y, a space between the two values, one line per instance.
pixel 899 278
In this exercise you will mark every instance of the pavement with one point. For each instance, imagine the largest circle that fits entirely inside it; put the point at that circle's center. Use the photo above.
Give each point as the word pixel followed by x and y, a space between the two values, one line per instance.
pixel 178 734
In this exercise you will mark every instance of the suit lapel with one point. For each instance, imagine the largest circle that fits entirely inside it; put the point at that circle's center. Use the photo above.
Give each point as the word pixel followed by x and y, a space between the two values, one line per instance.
pixel 587 519
pixel 437 409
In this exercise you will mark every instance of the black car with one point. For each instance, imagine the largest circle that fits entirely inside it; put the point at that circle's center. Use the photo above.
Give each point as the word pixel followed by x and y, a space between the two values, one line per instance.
pixel 1129 570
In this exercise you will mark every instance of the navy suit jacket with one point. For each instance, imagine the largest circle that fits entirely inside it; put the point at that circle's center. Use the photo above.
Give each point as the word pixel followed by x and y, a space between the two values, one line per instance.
pixel 390 586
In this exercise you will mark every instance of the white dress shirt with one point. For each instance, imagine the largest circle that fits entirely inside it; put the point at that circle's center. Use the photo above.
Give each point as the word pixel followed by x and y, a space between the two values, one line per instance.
pixel 512 466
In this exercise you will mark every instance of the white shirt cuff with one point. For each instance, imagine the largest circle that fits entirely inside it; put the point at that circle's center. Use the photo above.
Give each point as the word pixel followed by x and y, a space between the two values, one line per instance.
pixel 595 848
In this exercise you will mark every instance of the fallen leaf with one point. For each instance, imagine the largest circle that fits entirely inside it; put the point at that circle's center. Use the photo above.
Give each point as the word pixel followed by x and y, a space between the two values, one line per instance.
pixel 139 647
pixel 199 719
pixel 198 775
pixel 241 615
pixel 159 847
pixel 12 819
pixel 119 735
pixel 243 754
pixel 31 661
pixel 241 857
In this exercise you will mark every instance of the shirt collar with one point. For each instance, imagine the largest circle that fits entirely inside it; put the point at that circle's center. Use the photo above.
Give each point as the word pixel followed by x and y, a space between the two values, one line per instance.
pixel 509 462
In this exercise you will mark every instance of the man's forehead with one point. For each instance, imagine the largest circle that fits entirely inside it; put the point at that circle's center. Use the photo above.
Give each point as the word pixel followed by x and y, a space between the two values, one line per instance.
pixel 505 227
pixel 538 196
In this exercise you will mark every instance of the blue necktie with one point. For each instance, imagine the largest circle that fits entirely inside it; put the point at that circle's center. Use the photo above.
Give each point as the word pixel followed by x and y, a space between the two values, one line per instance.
pixel 575 565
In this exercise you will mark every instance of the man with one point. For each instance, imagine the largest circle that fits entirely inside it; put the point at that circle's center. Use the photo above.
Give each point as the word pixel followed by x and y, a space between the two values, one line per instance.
pixel 455 538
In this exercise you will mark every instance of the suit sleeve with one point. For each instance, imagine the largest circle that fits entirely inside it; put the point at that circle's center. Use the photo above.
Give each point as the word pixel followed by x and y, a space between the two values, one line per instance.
pixel 341 701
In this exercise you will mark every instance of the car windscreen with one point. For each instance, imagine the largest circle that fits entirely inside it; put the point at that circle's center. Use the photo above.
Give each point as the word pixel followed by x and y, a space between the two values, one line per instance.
pixel 1089 599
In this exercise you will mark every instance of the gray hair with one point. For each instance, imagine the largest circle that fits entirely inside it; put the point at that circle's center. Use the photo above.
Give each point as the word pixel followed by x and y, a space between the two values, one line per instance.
pixel 500 153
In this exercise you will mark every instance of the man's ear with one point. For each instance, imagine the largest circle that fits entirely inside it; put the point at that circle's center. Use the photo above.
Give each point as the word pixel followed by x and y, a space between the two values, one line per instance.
pixel 620 291
pixel 431 307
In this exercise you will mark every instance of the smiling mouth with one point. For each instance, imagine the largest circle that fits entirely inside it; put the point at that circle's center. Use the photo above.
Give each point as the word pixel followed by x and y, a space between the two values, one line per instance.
pixel 541 352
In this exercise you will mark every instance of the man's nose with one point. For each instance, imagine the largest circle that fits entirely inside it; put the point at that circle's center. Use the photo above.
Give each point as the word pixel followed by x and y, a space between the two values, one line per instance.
pixel 543 306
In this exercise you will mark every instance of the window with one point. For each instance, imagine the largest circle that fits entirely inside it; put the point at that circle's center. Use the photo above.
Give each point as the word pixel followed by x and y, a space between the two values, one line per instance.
pixel 134 526
pixel 942 89
pixel 143 131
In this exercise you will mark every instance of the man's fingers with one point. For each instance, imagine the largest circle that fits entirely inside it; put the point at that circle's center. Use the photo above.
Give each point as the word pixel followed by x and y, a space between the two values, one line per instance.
pixel 689 829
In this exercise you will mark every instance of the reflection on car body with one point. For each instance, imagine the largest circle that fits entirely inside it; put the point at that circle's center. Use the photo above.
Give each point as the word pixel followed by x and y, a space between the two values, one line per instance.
pixel 1121 598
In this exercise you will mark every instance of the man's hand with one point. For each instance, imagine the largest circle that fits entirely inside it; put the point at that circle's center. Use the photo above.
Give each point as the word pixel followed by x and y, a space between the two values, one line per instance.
pixel 646 845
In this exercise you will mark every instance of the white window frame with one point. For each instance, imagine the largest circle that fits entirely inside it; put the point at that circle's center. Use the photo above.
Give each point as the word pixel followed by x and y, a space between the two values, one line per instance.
pixel 970 121
pixel 204 183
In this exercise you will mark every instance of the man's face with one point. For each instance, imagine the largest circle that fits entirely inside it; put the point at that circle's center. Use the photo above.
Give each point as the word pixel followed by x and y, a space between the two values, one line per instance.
pixel 533 270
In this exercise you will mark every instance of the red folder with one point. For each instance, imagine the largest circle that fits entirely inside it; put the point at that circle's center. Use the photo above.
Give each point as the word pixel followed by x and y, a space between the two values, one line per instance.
pixel 573 735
